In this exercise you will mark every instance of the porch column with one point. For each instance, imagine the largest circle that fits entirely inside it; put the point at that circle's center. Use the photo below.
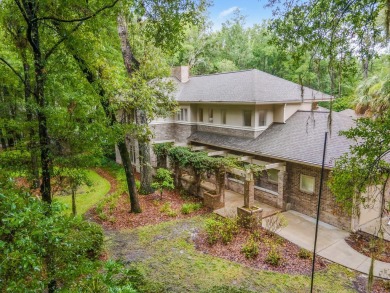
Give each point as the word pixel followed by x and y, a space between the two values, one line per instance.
pixel 249 191
pixel 282 187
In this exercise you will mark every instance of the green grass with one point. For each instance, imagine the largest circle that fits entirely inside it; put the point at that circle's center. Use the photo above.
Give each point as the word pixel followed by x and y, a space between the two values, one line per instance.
pixel 166 255
pixel 87 196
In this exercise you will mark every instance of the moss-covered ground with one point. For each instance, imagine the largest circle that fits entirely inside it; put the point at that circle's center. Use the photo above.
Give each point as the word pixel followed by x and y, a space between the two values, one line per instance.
pixel 166 255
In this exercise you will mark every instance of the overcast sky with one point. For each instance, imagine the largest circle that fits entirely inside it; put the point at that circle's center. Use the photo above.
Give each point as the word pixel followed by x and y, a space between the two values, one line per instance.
pixel 253 10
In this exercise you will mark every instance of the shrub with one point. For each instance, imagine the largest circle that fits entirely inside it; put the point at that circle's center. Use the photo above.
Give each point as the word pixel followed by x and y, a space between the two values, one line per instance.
pixel 275 223
pixel 188 208
pixel 304 253
pixel 163 180
pixel 250 248
pixel 229 229
pixel 138 185
pixel 167 210
pixel 273 256
pixel 212 230
pixel 223 229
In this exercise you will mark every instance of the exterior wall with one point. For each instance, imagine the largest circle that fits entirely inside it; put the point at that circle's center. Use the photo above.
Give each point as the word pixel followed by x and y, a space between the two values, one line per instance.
pixel 163 131
pixel 306 203
pixel 249 133
pixel 279 113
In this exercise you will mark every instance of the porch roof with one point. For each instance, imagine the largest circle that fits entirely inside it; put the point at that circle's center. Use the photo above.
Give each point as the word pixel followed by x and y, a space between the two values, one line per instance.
pixel 300 139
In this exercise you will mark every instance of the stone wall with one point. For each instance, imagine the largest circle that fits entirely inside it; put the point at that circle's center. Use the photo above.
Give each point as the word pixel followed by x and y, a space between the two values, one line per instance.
pixel 306 203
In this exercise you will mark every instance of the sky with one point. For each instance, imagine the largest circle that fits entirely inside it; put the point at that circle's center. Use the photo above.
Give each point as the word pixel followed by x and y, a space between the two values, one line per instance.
pixel 254 10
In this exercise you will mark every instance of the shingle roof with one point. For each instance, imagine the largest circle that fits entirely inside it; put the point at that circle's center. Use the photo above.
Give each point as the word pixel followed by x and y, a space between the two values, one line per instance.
pixel 300 139
pixel 250 86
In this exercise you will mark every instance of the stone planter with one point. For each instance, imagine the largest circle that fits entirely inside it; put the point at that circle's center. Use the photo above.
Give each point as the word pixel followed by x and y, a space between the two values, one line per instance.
pixel 212 200
pixel 250 217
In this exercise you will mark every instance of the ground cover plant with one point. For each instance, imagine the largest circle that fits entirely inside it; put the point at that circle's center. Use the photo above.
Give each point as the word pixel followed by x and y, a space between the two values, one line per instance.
pixel 169 256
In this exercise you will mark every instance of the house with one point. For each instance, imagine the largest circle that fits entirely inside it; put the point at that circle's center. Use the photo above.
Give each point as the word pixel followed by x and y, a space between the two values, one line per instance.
pixel 269 120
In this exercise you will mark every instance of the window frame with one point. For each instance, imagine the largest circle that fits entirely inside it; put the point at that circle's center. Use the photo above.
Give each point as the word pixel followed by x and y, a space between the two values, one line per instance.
pixel 301 188
pixel 200 115
pixel 223 116
pixel 182 115
pixel 245 120
pixel 211 115
pixel 262 113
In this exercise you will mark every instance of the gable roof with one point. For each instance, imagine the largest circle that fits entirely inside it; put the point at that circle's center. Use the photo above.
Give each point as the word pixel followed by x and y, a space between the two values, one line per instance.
pixel 300 139
pixel 249 86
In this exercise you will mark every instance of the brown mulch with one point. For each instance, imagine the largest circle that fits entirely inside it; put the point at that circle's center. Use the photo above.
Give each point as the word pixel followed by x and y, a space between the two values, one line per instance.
pixel 290 263
pixel 151 205
pixel 360 241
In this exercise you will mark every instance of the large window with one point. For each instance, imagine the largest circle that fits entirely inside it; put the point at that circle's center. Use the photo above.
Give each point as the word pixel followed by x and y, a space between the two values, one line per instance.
pixel 273 175
pixel 211 115
pixel 307 183
pixel 182 115
pixel 262 119
pixel 200 115
pixel 247 118
pixel 223 116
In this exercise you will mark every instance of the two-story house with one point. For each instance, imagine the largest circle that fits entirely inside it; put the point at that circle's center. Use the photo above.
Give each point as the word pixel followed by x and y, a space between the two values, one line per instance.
pixel 268 119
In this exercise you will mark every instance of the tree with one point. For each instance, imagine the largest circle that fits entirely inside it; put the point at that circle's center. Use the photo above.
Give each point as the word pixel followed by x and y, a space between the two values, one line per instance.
pixel 163 180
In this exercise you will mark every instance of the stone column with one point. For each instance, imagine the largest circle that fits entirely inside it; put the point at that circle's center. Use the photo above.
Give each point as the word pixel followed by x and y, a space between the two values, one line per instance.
pixel 249 193
pixel 282 187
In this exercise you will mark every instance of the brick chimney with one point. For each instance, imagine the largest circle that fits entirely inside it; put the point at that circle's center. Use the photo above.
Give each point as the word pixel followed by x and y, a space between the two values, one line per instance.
pixel 182 73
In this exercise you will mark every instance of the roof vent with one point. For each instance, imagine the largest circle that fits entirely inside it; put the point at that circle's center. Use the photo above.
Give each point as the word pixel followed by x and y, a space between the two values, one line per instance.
pixel 182 73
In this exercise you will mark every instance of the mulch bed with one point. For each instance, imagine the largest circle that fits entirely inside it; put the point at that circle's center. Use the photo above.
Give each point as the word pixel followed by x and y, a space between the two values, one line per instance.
pixel 150 204
pixel 290 263
pixel 360 241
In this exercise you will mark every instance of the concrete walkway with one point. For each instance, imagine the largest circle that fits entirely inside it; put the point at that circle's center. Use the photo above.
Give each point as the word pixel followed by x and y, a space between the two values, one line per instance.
pixel 330 244
pixel 235 199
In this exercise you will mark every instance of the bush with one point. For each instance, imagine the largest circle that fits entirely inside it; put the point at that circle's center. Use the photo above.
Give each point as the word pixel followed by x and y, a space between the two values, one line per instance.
pixel 304 253
pixel 223 229
pixel 167 210
pixel 188 208
pixel 250 248
pixel 273 256
pixel 275 223
pixel 163 180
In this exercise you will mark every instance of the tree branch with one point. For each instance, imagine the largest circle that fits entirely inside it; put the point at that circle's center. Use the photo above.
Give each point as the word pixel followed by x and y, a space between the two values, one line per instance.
pixel 52 49
pixel 53 18
pixel 13 69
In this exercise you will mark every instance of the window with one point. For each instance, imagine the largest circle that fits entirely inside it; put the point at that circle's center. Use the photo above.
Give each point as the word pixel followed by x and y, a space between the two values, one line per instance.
pixel 247 118
pixel 307 183
pixel 262 121
pixel 200 115
pixel 273 175
pixel 211 115
pixel 223 116
pixel 182 115
pixel 133 157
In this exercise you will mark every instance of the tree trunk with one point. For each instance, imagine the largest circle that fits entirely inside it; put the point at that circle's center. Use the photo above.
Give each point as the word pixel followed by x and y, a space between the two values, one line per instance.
pixel 74 211
pixel 145 163
pixel 177 176
pixel 132 65
pixel 29 116
pixel 134 202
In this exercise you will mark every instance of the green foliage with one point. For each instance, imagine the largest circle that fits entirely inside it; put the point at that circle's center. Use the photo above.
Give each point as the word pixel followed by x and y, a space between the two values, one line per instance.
pixel 250 248
pixel 221 229
pixel 365 166
pixel 273 256
pixel 339 104
pixel 163 180
pixel 304 253
pixel 167 210
pixel 34 236
pixel 227 289
pixel 189 208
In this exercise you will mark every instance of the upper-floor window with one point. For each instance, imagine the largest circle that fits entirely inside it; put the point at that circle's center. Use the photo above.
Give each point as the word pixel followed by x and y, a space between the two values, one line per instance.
pixel 182 115
pixel 223 116
pixel 211 116
pixel 247 118
pixel 200 115
pixel 262 119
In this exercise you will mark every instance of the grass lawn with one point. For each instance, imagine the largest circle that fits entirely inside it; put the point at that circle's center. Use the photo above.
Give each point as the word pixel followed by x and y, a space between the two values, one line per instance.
pixel 166 255
pixel 87 196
